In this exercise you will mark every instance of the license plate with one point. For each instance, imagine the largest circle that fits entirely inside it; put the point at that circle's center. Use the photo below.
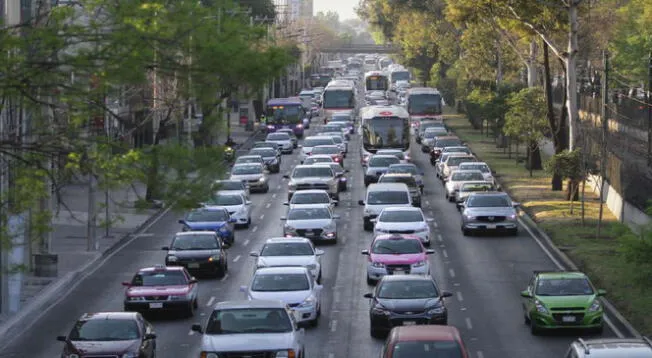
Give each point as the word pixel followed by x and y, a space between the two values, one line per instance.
pixel 156 305
pixel 491 226
pixel 568 319
pixel 193 265
pixel 409 323
pixel 399 272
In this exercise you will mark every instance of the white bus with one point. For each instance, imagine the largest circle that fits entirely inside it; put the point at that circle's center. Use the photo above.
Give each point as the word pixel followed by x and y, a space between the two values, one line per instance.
pixel 338 96
pixel 376 81
pixel 384 127
pixel 398 73
pixel 424 102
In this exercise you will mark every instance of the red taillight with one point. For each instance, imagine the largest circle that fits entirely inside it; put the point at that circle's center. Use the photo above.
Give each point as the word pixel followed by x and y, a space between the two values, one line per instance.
pixel 337 159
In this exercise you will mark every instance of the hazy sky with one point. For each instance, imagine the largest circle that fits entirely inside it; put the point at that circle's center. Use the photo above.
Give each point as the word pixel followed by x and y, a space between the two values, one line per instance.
pixel 342 7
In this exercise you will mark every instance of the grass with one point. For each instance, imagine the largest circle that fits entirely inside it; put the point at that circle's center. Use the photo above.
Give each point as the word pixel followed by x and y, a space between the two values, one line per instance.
pixel 600 258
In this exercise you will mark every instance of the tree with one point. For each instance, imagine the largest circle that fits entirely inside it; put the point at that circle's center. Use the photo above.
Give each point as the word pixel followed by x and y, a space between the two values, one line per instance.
pixel 526 120
pixel 632 42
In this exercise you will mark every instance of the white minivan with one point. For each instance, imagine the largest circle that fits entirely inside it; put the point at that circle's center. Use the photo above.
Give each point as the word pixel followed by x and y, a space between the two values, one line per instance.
pixel 381 196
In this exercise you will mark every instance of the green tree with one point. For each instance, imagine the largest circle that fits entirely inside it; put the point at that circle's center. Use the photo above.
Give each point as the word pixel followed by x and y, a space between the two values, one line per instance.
pixel 632 41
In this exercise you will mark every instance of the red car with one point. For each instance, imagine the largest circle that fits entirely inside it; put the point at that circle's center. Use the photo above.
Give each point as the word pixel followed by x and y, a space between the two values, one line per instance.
pixel 162 288
pixel 334 151
pixel 424 342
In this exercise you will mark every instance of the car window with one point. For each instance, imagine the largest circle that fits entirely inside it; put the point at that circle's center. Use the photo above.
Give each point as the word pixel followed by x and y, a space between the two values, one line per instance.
pixel 278 136
pixel 159 278
pixel 247 169
pixel 310 198
pixel 326 150
pixel 195 242
pixel 563 287
pixel 471 166
pixel 466 176
pixel 410 169
pixel 248 159
pixel 382 161
pixel 313 142
pixel 408 289
pixel 312 172
pixel 207 215
pixel 310 160
pixel 397 154
pixel 487 201
pixel 105 330
pixel 472 187
pixel 388 198
pixel 226 200
pixel 400 216
pixel 338 140
pixel 427 349
pixel 264 152
pixel 249 320
pixel 287 249
pixel 409 181
pixel 455 161
pixel 448 142
pixel 309 214
pixel 231 185
pixel 280 282
pixel 395 247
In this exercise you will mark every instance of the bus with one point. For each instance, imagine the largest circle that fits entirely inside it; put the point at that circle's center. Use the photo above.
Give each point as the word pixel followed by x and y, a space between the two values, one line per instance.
pixel 370 63
pixel 320 80
pixel 398 73
pixel 338 96
pixel 384 127
pixel 423 102
pixel 384 62
pixel 376 81
pixel 285 113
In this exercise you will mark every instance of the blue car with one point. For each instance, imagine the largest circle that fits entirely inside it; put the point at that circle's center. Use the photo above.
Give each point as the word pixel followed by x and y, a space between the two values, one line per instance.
pixel 211 219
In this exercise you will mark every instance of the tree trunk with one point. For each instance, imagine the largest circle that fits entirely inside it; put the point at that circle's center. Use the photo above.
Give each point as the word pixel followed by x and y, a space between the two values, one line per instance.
pixel 531 64
pixel 571 76
pixel 534 157
pixel 583 203
pixel 153 181
pixel 571 190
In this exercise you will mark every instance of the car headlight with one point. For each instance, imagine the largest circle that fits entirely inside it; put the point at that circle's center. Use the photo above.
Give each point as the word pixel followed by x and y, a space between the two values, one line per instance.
pixel 595 306
pixel 378 264
pixel 310 301
pixel 214 258
pixel 292 186
pixel 172 259
pixel 437 310
pixel 261 179
pixel 512 217
pixel 419 264
pixel 136 299
pixel 469 217
pixel 380 310
pixel 423 229
pixel 540 307
pixel 285 353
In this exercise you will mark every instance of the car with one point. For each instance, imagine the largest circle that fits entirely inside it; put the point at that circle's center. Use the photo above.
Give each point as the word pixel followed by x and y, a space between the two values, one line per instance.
pixel 198 251
pixel 402 300
pixel 316 222
pixel 440 144
pixel 238 206
pixel 293 137
pixel 453 162
pixel 283 140
pixel 263 144
pixel 162 288
pixel 251 329
pixel 319 158
pixel 377 166
pixel 610 348
pixel 254 174
pixel 489 212
pixel 562 299
pixel 403 220
pixel 424 342
pixel 381 196
pixel 284 251
pixel 293 285
pixel 311 142
pixel 429 137
pixel 216 219
pixel 340 173
pixel 408 168
pixel 408 180
pixel 342 128
pixel 346 119
pixel 110 334
pixel 481 166
pixel 458 178
pixel 316 176
pixel 245 159
pixel 233 187
pixel 333 150
pixel 404 159
pixel 396 254
pixel 470 187
pixel 447 152
pixel 424 125
pixel 271 158
pixel 339 141
pixel 306 198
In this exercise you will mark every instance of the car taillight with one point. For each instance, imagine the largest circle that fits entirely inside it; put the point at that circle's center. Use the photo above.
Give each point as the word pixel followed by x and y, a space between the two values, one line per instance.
pixel 299 126
pixel 337 159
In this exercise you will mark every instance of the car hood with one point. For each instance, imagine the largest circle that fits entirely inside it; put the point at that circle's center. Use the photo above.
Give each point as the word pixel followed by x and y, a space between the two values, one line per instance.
pixel 401 226
pixel 157 290
pixel 193 254
pixel 496 211
pixel 393 259
pixel 230 208
pixel 280 141
pixel 104 347
pixel 376 170
pixel 410 304
pixel 288 297
pixel 246 176
pixel 377 208
pixel 205 225
pixel 245 342
pixel 311 180
pixel 310 224
pixel 287 260
pixel 583 301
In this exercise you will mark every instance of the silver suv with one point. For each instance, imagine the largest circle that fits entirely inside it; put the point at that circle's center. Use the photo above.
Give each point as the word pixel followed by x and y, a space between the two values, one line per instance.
pixel 489 212
pixel 610 348
pixel 306 177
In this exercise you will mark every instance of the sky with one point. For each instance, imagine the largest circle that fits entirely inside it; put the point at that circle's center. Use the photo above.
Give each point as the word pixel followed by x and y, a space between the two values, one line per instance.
pixel 343 7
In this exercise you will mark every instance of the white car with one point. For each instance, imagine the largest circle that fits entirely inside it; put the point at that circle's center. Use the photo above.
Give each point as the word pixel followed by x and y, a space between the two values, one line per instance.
pixel 295 286
pixel 254 174
pixel 318 158
pixel 403 220
pixel 233 187
pixel 481 166
pixel 339 140
pixel 237 204
pixel 316 222
pixel 283 251
pixel 307 198
pixel 283 140
pixel 311 142
pixel 453 162
pixel 404 159
pixel 458 178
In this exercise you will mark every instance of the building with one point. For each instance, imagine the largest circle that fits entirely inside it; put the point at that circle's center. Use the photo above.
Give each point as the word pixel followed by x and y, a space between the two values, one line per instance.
pixel 307 9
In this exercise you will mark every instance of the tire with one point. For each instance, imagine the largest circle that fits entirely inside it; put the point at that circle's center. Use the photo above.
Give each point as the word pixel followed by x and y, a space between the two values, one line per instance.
pixel 427 244
pixel 196 303
pixel 466 232
pixel 370 281
pixel 367 226
pixel 319 280
pixel 534 329
pixel 598 331
pixel 375 333
pixel 526 319
pixel 513 232
pixel 248 224
pixel 266 189
pixel 190 311
pixel 220 271
pixel 314 322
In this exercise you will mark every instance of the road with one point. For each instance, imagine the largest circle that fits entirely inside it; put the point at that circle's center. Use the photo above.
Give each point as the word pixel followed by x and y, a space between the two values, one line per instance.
pixel 485 275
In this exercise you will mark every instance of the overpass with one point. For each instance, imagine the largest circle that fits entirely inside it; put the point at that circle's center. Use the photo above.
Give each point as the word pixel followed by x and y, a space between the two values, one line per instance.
pixel 361 49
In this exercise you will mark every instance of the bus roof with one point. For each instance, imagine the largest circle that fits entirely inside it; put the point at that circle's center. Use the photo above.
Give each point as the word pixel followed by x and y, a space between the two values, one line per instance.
pixel 340 87
pixel 285 101
pixel 375 73
pixel 383 111
pixel 340 83
pixel 423 90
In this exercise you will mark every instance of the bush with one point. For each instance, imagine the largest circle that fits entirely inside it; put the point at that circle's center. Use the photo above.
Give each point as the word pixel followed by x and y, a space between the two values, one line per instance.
pixel 636 248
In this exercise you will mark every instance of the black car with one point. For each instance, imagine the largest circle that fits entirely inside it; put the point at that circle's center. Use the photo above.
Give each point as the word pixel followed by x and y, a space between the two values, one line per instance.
pixel 403 300
pixel 110 334
pixel 271 157
pixel 198 251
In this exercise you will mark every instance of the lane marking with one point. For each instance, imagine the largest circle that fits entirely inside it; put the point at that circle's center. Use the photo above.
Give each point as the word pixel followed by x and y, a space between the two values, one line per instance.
pixel 445 253
pixel 333 325
pixel 190 333
pixel 236 258
pixel 427 202
pixel 278 186
pixel 479 354
pixel 274 196
pixel 439 237
pixel 254 229
pixel 246 242
pixel 145 234
pixel 210 301
pixel 451 272
pixel 434 223
pixel 331 355
pixel 468 323
pixel 262 217
pixel 268 205
pixel 459 296
pixel 226 275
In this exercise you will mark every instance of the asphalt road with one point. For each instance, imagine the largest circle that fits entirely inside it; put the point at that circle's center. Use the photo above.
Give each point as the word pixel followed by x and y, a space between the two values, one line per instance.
pixel 485 275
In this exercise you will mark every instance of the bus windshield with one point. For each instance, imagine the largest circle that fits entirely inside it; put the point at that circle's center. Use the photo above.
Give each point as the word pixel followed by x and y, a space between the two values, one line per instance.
pixel 376 83
pixel 385 132
pixel 339 99
pixel 400 76
pixel 286 114
pixel 421 104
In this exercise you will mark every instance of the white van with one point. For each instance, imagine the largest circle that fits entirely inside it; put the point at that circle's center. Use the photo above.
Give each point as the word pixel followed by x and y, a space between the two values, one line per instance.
pixel 381 196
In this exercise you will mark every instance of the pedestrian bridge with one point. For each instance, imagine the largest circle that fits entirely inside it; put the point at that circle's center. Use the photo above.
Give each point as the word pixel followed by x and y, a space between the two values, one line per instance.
pixel 361 49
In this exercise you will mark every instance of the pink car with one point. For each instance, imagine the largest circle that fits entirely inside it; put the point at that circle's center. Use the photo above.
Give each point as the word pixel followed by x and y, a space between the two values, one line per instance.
pixel 396 255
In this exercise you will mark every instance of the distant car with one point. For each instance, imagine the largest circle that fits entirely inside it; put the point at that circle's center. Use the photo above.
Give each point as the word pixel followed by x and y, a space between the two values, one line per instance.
pixel 440 144
pixel 424 341
pixel 233 327
pixel 110 334
pixel 377 166
pixel 238 206
pixel 339 141
pixel 429 137
pixel 284 251
pixel 216 220
pixel 481 166
pixel 344 119
pixel 458 178
pixel 283 140
pixel 407 179
pixel 340 173
pixel 245 159
pixel 333 150
pixel 404 159
pixel 202 252
pixel 313 222
pixel 254 174
pixel 408 168
pixel 162 288
pixel 470 187
pixel 310 198
pixel 271 157
pixel 487 212
pixel 403 220
pixel 319 158
pixel 293 285
pixel 394 254
pixel 453 162
pixel 293 137
pixel 310 142
pixel 394 296
pixel 233 186
pixel 558 300
pixel 610 348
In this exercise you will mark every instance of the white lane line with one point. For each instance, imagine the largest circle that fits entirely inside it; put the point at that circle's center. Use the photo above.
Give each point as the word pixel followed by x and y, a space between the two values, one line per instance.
pixel 451 272
pixel 427 202
pixel 331 355
pixel 262 217
pixel 254 229
pixel 274 196
pixel 468 323
pixel 459 296
pixel 278 186
pixel 236 258
pixel 439 237
pixel 268 205
pixel 434 223
pixel 226 275
pixel 445 253
pixel 479 354
pixel 333 325
pixel 145 234
pixel 210 301
pixel 245 243
pixel 190 333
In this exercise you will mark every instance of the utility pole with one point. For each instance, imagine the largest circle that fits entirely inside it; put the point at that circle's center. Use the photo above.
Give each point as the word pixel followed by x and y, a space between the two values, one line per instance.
pixel 648 96
pixel 605 132
pixel 92 243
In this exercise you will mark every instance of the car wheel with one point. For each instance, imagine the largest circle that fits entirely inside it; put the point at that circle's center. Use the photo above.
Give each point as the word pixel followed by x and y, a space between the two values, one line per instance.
pixel 195 302
pixel 226 266
pixel 314 322
pixel 598 331
pixel 367 226
pixel 190 311
pixel 248 223
pixel 427 243
pixel 514 232
pixel 466 232
pixel 375 333
pixel 366 182
pixel 319 280
pixel 526 319
pixel 266 189
pixel 370 281
pixel 451 199
pixel 534 329
pixel 220 271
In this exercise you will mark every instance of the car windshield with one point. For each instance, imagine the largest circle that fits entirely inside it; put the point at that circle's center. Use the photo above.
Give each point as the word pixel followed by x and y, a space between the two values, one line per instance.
pixel 231 185
pixel 337 140
pixel 337 169
pixel 280 282
pixel 456 161
pixel 472 187
pixel 396 247
pixel 427 349
pixel 313 142
pixel 247 169
pixel 487 201
pixel 456 150
pixel 249 159
pixel 287 131
pixel 564 287
pixel 481 167
pixel 309 214
pixel 388 198
pixel 424 126
pixel 249 320
pixel 436 130
pixel 287 249
pixel 195 242
pixel 397 154
pixel 105 330
pixel 278 136
pixel 325 150
pixel 207 216
pixel 310 160
pixel 466 176
pixel 448 143
pixel 379 162
pixel 264 152
pixel 226 200
pixel 408 180
pixel 312 172
pixel 159 278
pixel 430 134
pixel 400 216
pixel 407 289
pixel 265 145
pixel 410 169
pixel 333 127
pixel 310 198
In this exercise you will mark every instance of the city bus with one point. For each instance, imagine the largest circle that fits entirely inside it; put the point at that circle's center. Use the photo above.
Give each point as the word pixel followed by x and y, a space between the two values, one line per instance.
pixel 423 102
pixel 384 127
pixel 338 96
pixel 320 80
pixel 376 81
pixel 285 113
pixel 398 73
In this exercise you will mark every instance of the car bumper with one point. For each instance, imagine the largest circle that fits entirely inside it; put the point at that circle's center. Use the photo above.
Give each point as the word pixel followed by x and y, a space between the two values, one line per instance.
pixel 142 306
pixel 483 226
pixel 387 322
pixel 243 218
pixel 305 314
pixel 324 236
pixel 583 320
pixel 198 267
pixel 257 185
pixel 376 273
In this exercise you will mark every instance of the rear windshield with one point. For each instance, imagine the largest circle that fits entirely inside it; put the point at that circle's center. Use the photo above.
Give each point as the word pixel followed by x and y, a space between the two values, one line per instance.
pixel 309 214
pixel 400 216
pixel 310 198
pixel 247 169
pixel 427 349
pixel 313 142
pixel 388 198
pixel 325 150
pixel 312 172
pixel 461 176
pixel 379 162
pixel 226 200
pixel 481 167
pixel 231 185
pixel 396 247
pixel 448 142
pixel 410 169
pixel 455 161
pixel 265 153
pixel 278 136
pixel 409 181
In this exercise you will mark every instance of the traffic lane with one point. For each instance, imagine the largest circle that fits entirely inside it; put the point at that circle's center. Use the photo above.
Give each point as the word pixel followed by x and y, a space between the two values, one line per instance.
pixel 491 271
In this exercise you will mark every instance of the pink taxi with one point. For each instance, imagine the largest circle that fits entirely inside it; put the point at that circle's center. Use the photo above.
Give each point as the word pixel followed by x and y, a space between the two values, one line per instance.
pixel 396 255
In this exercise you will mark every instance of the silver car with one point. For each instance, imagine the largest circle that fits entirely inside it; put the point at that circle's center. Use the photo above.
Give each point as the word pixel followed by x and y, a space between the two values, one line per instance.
pixel 255 175
pixel 339 141
pixel 481 166
pixel 471 187
pixel 238 206
pixel 307 177
pixel 316 222
pixel 377 166
pixel 447 152
pixel 232 326
pixel 319 158
pixel 284 251
pixel 308 198
pixel 244 159
pixel 283 140
pixel 233 186
pixel 457 179
pixel 453 162
pixel 489 212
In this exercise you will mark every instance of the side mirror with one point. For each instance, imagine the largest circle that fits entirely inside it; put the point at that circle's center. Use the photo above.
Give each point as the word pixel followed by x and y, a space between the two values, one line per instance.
pixel 430 220
pixel 149 336
pixel 126 283
pixel 493 172
pixel 182 222
pixel 196 328
pixel 361 202
pixel 233 220
pixel 602 292
pixel 319 252
pixel 61 338
pixel 319 287
pixel 526 294
pixel 165 248
pixel 248 202
pixel 193 280
pixel 368 295
pixel 430 252
pixel 253 254
pixel 346 171
pixel 243 288
pixel 373 220
pixel 300 146
pixel 286 203
pixel 283 218
pixel 286 176
pixel 336 217
pixel 516 205
pixel 446 294
pixel 365 252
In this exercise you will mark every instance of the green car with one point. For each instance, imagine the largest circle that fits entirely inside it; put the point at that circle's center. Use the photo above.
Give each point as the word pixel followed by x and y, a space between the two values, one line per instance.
pixel 555 300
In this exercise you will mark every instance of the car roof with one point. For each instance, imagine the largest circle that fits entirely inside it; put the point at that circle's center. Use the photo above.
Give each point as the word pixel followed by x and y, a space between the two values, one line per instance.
pixel 281 269
pixel 490 193
pixel 397 237
pixel 249 304
pixel 465 171
pixel 396 165
pixel 449 137
pixel 108 315
pixel 425 333
pixel 461 155
pixel 195 233
pixel 316 165
pixel 295 239
pixel 383 156
pixel 387 186
pixel 317 137
pixel 277 132
pixel 398 175
pixel 560 274
pixel 390 151
pixel 247 164
pixel 310 206
pixel 330 146
pixel 402 208
pixel 474 163
pixel 606 347
pixel 407 278
pixel 161 268
pixel 320 155
pixel 250 156
pixel 456 147
pixel 310 191
pixel 475 182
